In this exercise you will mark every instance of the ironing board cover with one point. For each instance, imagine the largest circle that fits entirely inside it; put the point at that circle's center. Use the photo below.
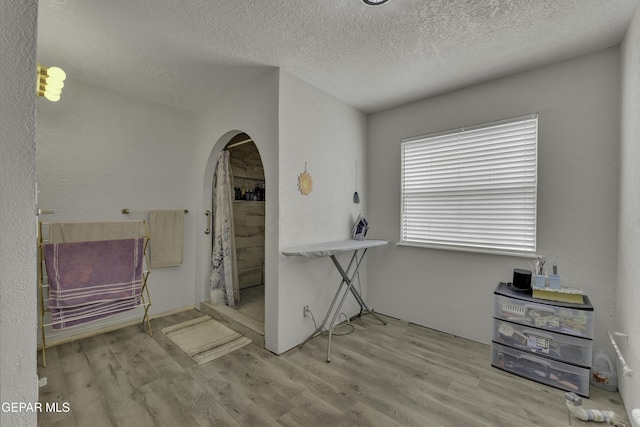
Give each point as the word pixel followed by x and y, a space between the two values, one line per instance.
pixel 331 248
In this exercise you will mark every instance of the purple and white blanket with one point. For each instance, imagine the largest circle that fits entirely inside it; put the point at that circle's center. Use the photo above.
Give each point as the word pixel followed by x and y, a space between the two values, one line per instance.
pixel 91 280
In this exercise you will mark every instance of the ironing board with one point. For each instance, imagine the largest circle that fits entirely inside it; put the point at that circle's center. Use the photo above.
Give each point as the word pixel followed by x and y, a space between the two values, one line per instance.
pixel 331 249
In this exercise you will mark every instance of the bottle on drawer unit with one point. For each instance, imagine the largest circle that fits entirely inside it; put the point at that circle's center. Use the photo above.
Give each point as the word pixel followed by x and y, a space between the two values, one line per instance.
pixel 603 372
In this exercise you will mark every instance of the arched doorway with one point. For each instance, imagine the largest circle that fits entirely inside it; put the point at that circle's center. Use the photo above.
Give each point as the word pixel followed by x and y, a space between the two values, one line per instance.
pixel 249 225
pixel 248 191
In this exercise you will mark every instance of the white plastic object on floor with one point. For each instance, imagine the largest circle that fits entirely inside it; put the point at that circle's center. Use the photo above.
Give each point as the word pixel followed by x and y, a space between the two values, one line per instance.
pixel 574 404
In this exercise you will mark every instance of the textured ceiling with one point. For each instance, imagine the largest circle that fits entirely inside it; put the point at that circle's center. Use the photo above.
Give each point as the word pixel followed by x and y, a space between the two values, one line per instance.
pixel 187 53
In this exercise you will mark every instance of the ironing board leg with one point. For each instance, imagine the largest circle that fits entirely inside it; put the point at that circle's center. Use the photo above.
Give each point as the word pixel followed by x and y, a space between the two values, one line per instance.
pixel 350 289
pixel 345 277
pixel 344 297
pixel 320 327
pixel 364 307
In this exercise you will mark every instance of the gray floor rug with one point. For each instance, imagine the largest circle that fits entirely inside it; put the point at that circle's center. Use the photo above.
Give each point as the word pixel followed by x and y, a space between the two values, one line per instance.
pixel 205 339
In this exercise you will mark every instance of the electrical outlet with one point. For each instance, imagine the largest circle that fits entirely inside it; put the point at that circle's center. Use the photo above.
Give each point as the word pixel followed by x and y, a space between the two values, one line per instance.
pixel 305 309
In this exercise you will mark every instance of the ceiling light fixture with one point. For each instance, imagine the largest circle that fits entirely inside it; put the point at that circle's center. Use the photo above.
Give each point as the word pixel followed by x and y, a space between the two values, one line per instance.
pixel 374 2
pixel 50 82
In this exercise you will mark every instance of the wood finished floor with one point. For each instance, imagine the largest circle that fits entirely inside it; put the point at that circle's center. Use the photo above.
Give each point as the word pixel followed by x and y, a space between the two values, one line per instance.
pixel 395 375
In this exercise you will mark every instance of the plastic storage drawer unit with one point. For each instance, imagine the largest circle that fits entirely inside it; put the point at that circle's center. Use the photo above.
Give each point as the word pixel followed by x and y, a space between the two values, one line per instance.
pixel 546 371
pixel 571 319
pixel 564 348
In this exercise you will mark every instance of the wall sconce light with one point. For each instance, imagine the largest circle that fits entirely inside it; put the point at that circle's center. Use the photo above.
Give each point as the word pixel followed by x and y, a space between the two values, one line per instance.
pixel 50 82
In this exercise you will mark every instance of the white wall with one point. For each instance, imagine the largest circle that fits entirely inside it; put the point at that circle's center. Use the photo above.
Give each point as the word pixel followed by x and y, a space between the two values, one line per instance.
pixel 254 110
pixel 291 123
pixel 329 137
pixel 18 377
pixel 628 283
pixel 578 106
pixel 99 151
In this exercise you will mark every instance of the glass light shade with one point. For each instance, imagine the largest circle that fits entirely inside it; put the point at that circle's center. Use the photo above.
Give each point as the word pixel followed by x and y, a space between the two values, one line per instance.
pixel 56 73
pixel 51 83
pixel 53 90
pixel 52 98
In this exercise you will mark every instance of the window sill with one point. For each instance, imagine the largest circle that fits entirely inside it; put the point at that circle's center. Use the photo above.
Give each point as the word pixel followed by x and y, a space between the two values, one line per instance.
pixel 470 250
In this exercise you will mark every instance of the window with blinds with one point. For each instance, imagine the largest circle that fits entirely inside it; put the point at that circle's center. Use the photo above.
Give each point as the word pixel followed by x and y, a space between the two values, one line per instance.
pixel 472 189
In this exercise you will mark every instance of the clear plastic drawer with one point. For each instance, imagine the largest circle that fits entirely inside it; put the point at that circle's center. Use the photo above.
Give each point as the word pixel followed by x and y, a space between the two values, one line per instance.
pixel 562 319
pixel 555 374
pixel 545 343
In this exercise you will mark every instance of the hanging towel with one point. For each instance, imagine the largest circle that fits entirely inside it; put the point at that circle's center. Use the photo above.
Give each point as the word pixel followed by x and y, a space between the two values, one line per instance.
pixel 166 229
pixel 92 280
pixel 87 272
pixel 62 318
pixel 67 232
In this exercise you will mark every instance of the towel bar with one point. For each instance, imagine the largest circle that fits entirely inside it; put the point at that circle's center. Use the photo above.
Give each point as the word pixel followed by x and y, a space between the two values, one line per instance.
pixel 127 211
pixel 627 372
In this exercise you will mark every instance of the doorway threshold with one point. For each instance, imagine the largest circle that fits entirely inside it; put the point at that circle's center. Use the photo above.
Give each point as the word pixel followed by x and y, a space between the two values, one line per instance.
pixel 236 321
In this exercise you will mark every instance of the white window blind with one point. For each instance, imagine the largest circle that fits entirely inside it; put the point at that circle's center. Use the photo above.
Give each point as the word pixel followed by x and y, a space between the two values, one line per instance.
pixel 473 188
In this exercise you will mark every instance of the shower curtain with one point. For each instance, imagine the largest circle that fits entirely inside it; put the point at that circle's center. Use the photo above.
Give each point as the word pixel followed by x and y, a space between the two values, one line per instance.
pixel 223 264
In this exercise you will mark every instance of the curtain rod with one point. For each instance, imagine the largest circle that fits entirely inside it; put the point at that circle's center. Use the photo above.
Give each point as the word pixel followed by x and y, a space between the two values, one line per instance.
pixel 127 211
pixel 235 144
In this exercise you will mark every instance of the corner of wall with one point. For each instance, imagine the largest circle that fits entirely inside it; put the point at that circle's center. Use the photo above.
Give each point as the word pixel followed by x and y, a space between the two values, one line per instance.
pixel 253 109
pixel 628 269
pixel 18 28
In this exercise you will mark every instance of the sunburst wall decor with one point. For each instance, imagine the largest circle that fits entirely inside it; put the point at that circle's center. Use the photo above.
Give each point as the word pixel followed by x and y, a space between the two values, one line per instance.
pixel 305 183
